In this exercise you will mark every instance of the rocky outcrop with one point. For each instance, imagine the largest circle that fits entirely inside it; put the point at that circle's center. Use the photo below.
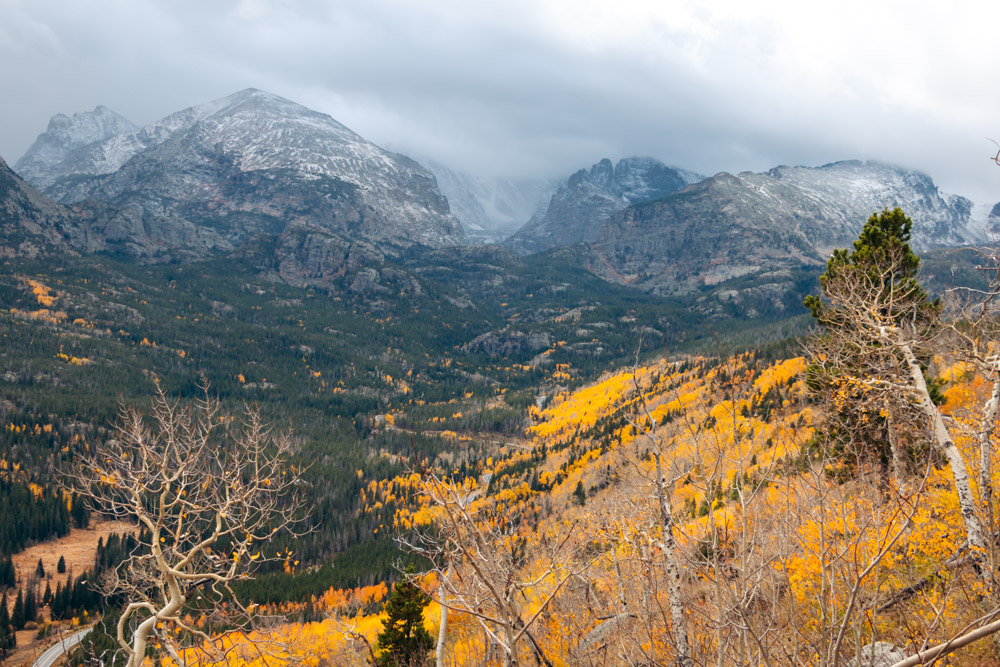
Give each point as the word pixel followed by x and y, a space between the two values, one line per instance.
pixel 31 223
pixel 507 341
pixel 310 257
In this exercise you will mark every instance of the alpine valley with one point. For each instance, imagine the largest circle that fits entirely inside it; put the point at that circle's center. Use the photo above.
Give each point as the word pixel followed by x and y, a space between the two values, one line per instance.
pixel 350 292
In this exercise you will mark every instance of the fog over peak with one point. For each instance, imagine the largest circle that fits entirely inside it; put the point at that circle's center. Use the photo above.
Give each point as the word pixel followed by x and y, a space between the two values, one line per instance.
pixel 539 89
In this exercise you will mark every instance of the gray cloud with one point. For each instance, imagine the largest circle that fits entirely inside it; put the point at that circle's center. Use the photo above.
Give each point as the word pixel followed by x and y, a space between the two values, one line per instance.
pixel 541 88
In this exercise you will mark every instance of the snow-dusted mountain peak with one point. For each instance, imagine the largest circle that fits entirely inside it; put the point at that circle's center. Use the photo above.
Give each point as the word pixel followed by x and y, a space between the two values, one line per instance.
pixel 864 187
pixel 257 154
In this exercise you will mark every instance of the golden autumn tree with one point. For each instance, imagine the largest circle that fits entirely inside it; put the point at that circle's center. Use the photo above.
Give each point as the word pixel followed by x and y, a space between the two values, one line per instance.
pixel 490 568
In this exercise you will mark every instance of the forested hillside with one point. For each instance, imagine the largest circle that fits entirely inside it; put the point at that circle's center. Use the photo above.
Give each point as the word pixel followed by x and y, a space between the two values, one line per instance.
pixel 787 551
pixel 836 507
pixel 455 358
pixel 784 504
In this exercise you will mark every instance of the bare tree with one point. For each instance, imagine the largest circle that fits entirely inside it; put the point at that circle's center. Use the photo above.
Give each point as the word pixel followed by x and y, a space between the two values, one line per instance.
pixel 208 493
pixel 663 490
pixel 480 549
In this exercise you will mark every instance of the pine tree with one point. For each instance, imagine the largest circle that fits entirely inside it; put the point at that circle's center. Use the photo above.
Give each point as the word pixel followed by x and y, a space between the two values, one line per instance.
pixel 404 642
pixel 31 605
pixel 61 565
pixel 58 603
pixel 40 570
pixel 17 619
pixel 580 494
pixel 8 575
pixel 881 256
pixel 8 640
pixel 81 517
pixel 47 596
pixel 883 267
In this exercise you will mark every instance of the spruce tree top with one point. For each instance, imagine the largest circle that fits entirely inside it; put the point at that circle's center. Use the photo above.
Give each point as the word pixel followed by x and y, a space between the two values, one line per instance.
pixel 882 257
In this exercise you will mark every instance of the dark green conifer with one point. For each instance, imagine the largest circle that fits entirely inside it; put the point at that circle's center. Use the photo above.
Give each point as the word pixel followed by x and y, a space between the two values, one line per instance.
pixel 17 619
pixel 404 642
pixel 58 608
pixel 40 569
pixel 81 517
pixel 8 639
pixel 876 279
pixel 8 576
pixel 882 258
pixel 61 565
pixel 580 493
pixel 30 605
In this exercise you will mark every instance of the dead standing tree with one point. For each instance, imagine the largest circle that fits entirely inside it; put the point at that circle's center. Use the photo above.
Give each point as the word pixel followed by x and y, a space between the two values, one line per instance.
pixel 481 547
pixel 207 498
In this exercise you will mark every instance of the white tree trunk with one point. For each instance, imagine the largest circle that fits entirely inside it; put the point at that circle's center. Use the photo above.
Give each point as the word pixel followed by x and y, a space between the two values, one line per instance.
pixel 443 629
pixel 673 569
pixel 898 463
pixel 973 528
pixel 986 453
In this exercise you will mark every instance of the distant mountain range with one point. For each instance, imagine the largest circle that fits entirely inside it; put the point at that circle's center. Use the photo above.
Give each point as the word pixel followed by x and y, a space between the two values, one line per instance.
pixel 216 178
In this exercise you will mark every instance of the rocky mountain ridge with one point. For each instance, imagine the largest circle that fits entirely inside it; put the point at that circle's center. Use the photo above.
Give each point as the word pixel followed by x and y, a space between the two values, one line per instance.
pixel 765 228
pixel 328 205
pixel 32 224
pixel 254 162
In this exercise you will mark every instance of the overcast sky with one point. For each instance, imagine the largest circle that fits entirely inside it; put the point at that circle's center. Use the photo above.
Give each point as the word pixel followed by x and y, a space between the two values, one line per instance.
pixel 540 88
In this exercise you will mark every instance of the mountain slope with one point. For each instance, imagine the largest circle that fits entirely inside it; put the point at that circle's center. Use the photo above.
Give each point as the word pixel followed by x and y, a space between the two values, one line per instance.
pixel 32 224
pixel 577 209
pixel 849 192
pixel 29 222
pixel 490 209
pixel 254 162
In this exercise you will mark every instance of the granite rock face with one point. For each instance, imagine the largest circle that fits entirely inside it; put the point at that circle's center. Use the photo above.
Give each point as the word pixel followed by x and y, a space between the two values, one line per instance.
pixel 31 223
pixel 507 341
